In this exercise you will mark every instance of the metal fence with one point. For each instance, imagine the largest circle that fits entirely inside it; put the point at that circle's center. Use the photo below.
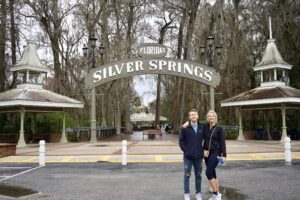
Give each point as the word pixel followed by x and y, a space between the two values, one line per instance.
pixel 84 133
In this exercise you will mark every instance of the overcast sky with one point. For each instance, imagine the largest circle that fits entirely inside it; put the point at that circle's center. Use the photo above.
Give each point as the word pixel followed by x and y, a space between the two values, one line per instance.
pixel 145 85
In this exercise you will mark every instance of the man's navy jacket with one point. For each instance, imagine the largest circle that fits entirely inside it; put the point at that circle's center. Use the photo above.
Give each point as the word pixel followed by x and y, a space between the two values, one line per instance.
pixel 191 142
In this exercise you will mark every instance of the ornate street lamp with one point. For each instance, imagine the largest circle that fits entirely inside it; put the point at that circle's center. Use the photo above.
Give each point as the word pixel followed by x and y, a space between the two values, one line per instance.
pixel 101 52
pixel 211 48
pixel 85 49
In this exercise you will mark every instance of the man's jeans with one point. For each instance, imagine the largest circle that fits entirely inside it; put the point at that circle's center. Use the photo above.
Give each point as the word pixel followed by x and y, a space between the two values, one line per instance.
pixel 197 163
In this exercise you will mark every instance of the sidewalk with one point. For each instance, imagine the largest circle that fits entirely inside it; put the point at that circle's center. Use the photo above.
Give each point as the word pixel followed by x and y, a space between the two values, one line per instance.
pixel 139 151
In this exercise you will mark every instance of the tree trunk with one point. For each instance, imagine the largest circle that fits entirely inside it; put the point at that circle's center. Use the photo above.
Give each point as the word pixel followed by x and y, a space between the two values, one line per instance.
pixel 118 56
pixel 158 86
pixel 128 127
pixel 193 8
pixel 176 104
pixel 2 46
pixel 57 67
pixel 13 39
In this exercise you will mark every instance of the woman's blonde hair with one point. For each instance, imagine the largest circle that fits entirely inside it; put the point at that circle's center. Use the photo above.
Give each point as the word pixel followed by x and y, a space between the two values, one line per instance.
pixel 213 112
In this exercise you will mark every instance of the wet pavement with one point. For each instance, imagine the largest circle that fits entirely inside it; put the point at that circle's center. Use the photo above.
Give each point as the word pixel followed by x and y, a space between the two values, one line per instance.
pixel 15 191
pixel 239 180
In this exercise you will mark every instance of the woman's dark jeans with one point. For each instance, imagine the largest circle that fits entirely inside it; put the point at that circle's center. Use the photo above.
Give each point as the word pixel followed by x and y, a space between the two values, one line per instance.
pixel 211 164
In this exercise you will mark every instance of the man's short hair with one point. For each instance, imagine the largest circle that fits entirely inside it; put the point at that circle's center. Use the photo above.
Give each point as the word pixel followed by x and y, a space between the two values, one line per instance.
pixel 193 110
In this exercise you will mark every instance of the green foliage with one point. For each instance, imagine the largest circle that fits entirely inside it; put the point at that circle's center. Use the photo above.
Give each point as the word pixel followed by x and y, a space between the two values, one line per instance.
pixel 42 122
pixel 231 134
pixel 72 137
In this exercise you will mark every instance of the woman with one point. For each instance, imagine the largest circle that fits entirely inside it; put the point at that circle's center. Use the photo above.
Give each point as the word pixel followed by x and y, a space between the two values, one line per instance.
pixel 214 146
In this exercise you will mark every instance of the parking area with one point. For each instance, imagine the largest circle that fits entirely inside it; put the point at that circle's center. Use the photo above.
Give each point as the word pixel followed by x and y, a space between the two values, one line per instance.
pixel 254 170
pixel 240 180
pixel 8 171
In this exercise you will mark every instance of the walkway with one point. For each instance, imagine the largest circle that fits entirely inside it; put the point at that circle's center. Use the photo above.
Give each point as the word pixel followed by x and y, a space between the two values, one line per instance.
pixel 165 150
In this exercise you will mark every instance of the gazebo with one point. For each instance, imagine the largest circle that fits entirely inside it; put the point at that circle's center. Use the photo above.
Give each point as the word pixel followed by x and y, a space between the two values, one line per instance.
pixel 29 96
pixel 145 117
pixel 274 91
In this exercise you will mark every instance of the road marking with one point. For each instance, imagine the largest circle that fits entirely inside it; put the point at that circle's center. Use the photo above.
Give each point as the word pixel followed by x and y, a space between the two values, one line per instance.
pixel 158 158
pixel 24 172
pixel 105 158
pixel 296 157
pixel 31 159
pixel 15 167
pixel 152 158
pixel 68 158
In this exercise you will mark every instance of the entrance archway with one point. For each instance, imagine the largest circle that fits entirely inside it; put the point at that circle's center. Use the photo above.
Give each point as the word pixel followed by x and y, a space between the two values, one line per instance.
pixel 151 60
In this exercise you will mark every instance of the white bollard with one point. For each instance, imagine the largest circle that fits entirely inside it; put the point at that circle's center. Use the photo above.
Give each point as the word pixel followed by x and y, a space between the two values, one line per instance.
pixel 42 149
pixel 287 153
pixel 124 152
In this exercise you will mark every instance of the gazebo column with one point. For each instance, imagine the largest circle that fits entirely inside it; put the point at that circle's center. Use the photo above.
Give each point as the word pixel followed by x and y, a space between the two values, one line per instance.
pixel 27 76
pixel 241 132
pixel 275 74
pixel 63 139
pixel 21 141
pixel 284 134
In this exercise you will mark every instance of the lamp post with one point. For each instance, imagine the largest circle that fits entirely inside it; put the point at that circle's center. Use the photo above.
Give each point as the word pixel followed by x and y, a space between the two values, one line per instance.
pixel 85 50
pixel 210 49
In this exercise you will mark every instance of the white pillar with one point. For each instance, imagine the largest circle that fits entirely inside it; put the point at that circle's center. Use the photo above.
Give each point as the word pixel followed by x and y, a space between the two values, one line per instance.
pixel 42 159
pixel 124 152
pixel 275 74
pixel 21 141
pixel 241 132
pixel 212 98
pixel 93 116
pixel 27 76
pixel 284 134
pixel 287 150
pixel 261 76
pixel 63 139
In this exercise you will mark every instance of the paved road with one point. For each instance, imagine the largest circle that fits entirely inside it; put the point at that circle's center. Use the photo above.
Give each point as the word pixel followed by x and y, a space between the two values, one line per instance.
pixel 158 181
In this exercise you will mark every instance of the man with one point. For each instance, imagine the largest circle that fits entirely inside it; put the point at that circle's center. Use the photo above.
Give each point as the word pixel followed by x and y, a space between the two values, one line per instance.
pixel 190 142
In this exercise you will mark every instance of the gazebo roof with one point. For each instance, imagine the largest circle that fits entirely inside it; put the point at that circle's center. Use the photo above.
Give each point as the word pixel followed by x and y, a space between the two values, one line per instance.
pixel 30 61
pixel 271 58
pixel 264 96
pixel 32 95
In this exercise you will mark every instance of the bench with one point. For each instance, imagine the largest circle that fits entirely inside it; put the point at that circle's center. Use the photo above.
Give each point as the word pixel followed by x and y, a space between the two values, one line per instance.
pixel 151 133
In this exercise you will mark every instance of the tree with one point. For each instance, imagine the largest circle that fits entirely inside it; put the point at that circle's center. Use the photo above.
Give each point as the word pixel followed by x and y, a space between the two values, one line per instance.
pixel 51 15
pixel 3 38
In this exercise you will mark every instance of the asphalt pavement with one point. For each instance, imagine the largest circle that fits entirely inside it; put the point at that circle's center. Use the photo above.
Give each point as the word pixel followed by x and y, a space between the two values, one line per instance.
pixel 239 180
